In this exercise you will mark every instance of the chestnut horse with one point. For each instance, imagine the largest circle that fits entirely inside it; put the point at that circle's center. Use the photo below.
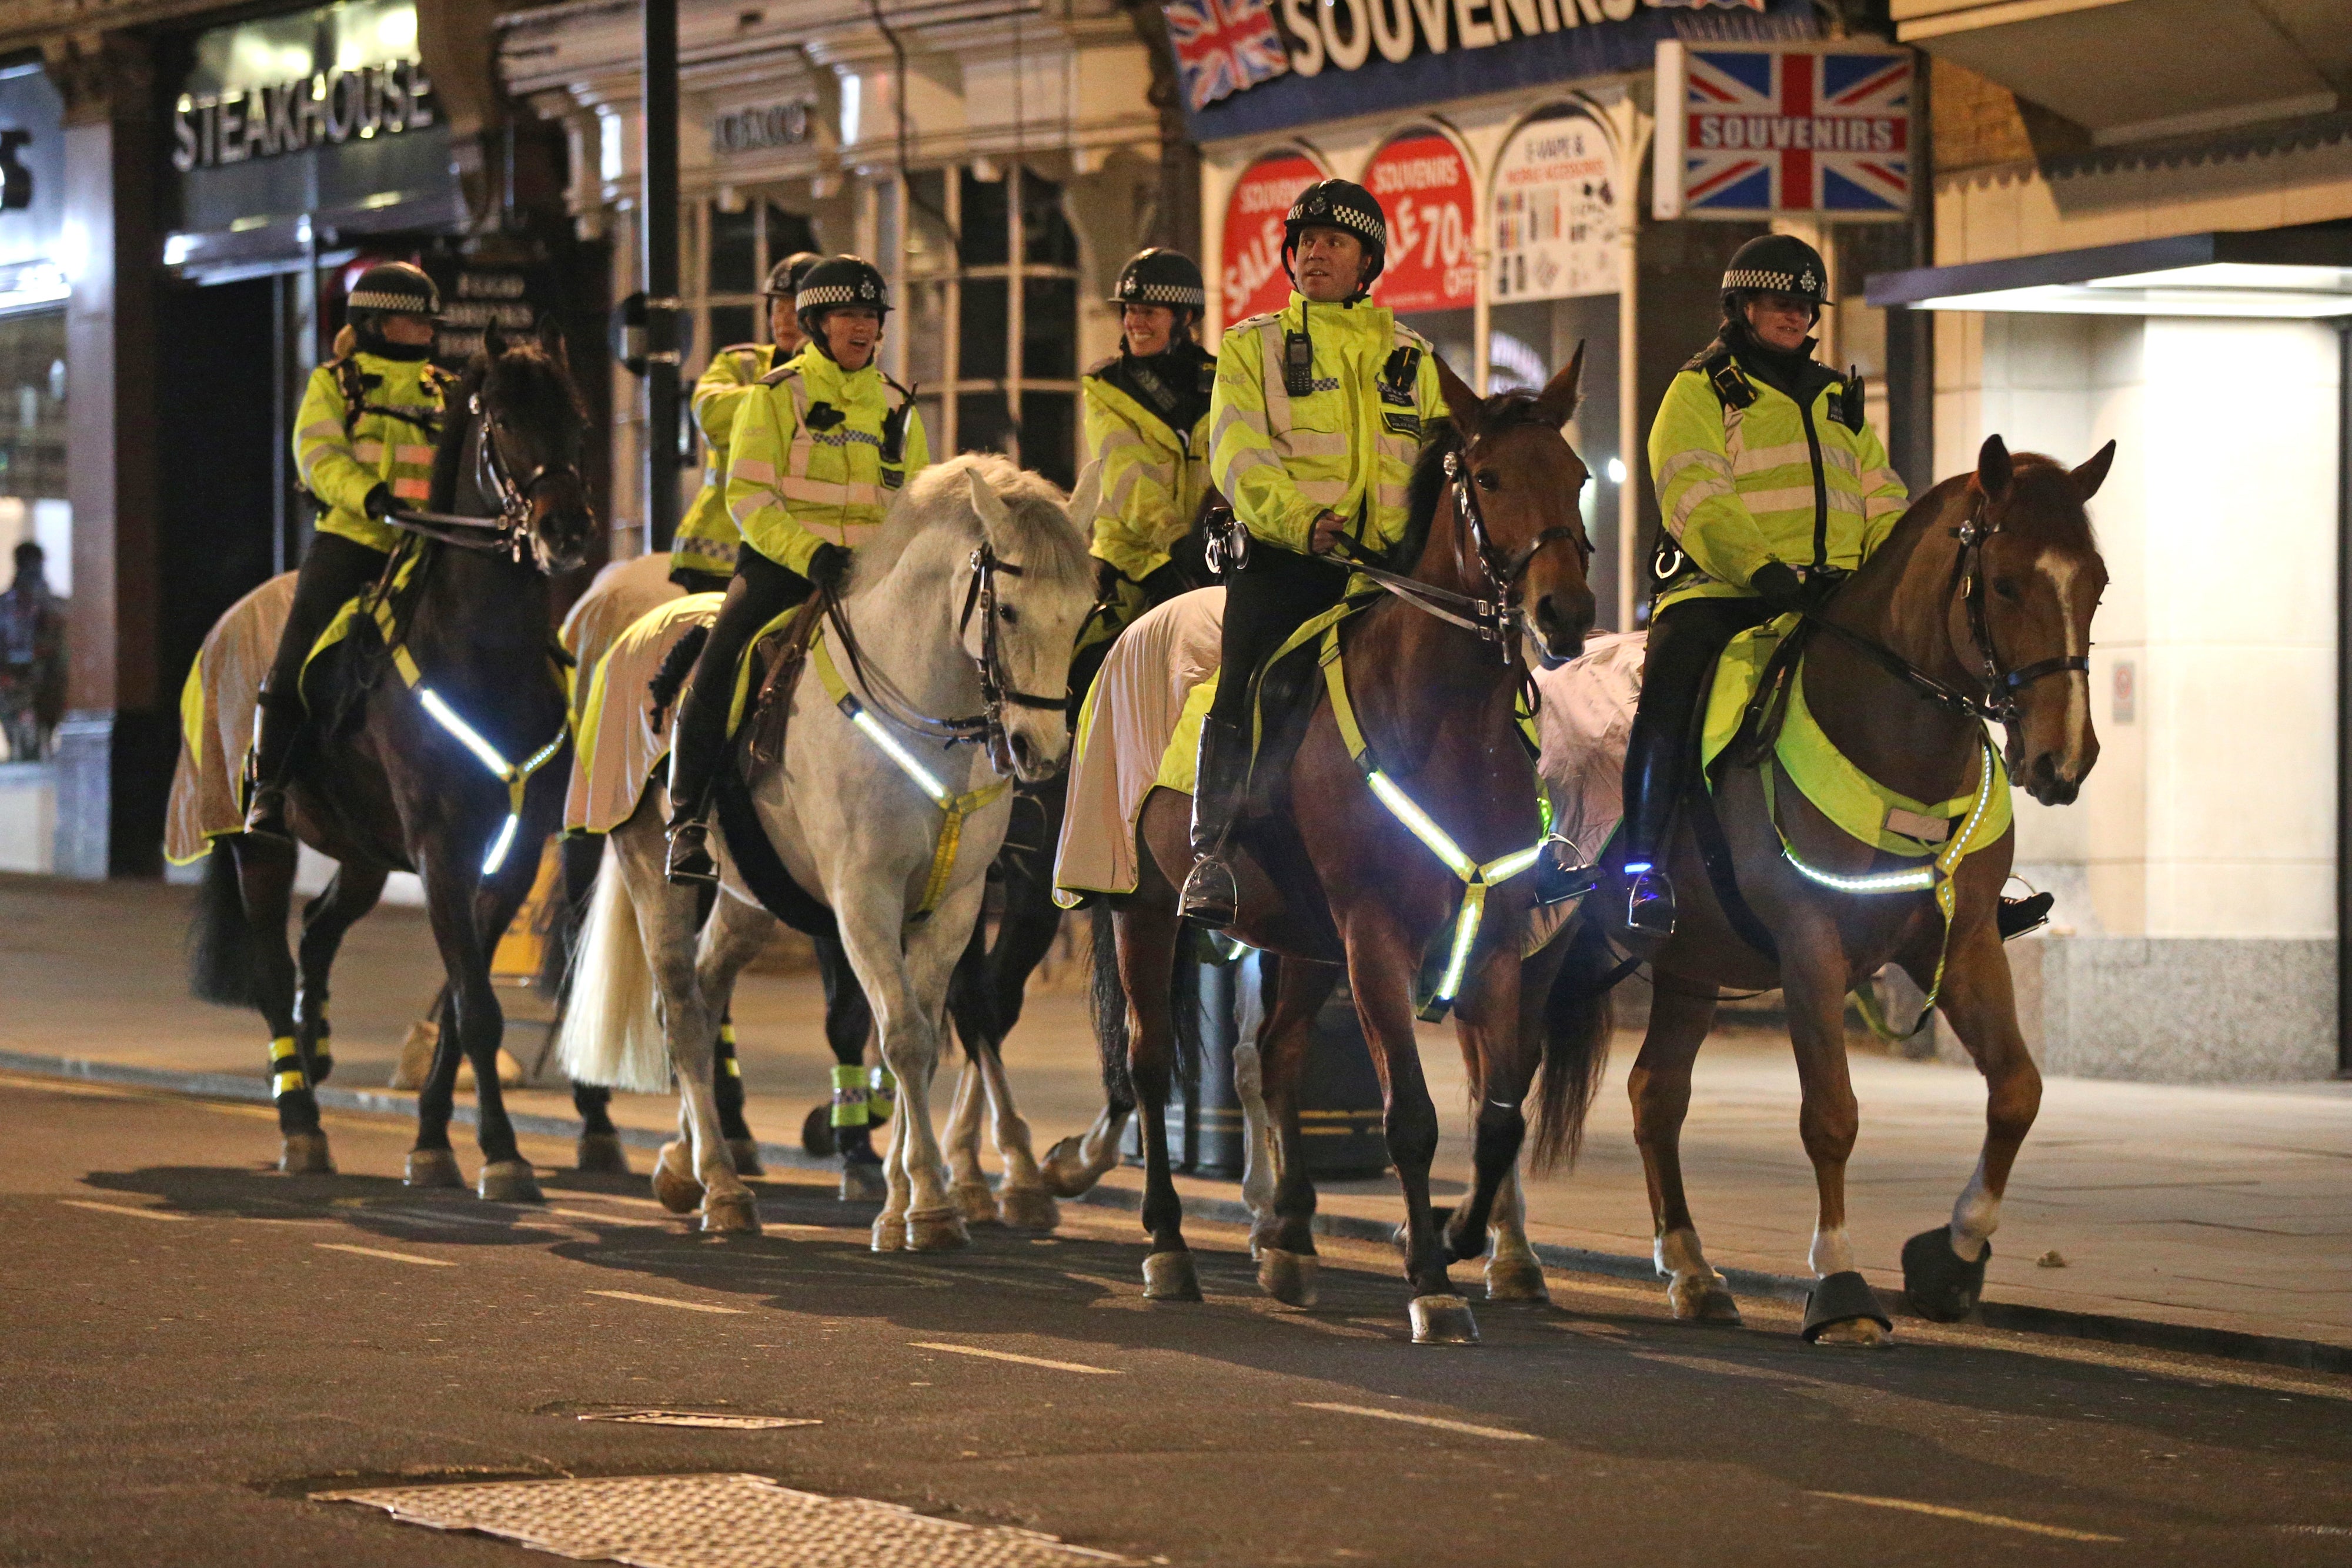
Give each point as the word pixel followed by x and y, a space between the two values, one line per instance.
pixel 1978 605
pixel 1494 518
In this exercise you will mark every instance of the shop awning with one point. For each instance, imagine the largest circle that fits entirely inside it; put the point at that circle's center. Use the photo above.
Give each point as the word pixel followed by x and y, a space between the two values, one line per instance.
pixel 2304 271
pixel 2130 70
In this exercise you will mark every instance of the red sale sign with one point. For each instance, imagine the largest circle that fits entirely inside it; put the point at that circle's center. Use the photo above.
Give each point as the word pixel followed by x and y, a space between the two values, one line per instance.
pixel 1254 281
pixel 1423 186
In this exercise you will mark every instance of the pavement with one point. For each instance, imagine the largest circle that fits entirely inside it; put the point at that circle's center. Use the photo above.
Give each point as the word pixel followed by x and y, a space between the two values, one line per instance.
pixel 2182 1214
pixel 201 1354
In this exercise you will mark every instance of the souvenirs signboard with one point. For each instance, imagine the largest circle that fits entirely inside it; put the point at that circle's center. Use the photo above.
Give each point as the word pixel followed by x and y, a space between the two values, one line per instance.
pixel 1758 130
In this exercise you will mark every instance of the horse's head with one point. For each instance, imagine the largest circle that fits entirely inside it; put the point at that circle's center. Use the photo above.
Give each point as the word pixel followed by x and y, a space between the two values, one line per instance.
pixel 1522 479
pixel 1022 598
pixel 2023 623
pixel 534 431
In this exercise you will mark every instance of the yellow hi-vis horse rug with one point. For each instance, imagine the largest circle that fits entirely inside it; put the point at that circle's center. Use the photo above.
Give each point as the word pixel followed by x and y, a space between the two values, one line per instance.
pixel 216 721
pixel 618 746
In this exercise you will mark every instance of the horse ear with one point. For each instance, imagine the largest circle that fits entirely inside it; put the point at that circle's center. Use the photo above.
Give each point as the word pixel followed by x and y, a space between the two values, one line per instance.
pixel 1557 402
pixel 1994 470
pixel 551 338
pixel 995 519
pixel 1463 403
pixel 2094 473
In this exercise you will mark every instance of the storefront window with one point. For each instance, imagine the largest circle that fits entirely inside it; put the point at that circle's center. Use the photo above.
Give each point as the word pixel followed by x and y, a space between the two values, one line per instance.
pixel 738 249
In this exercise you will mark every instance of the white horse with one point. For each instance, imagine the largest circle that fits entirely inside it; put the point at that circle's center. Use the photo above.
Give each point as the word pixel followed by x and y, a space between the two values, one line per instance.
pixel 978 571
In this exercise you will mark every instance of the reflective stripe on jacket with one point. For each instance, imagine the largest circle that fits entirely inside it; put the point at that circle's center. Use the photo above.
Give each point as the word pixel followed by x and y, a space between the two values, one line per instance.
pixel 342 454
pixel 1347 445
pixel 707 540
pixel 1770 481
pixel 792 487
pixel 1152 477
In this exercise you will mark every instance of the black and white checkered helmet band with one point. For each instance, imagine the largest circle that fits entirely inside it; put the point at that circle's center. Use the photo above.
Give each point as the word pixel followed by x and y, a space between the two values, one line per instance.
pixel 1135 291
pixel 389 299
pixel 825 294
pixel 1314 208
pixel 1766 282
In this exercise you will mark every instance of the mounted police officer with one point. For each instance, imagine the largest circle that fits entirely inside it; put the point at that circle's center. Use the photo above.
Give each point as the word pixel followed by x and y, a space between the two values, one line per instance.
pixel 1147 434
pixel 820 448
pixel 363 445
pixel 1316 417
pixel 1773 488
pixel 702 556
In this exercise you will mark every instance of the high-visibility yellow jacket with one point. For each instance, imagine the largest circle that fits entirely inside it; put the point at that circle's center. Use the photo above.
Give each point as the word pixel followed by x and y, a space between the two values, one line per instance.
pixel 1746 475
pixel 808 463
pixel 707 540
pixel 1152 474
pixel 367 421
pixel 1347 446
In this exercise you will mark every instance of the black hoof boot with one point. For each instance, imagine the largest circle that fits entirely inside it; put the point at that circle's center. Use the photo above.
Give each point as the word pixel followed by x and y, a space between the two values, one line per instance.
pixel 1941 1286
pixel 1650 903
pixel 2018 915
pixel 690 864
pixel 1210 897
pixel 1843 1297
pixel 816 1133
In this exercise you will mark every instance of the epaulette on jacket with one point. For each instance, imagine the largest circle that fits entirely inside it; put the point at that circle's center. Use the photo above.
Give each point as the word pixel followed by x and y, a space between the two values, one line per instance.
pixel 1104 366
pixel 776 377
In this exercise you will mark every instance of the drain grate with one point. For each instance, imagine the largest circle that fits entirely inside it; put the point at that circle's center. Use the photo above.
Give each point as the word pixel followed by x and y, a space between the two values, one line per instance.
pixel 714 1521
pixel 716 1419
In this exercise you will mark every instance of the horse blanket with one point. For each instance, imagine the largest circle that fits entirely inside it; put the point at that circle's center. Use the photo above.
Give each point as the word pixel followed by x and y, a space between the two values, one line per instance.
pixel 622 591
pixel 616 745
pixel 217 720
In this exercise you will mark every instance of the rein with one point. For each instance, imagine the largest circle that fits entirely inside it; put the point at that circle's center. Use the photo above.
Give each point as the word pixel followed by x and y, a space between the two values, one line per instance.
pixel 509 533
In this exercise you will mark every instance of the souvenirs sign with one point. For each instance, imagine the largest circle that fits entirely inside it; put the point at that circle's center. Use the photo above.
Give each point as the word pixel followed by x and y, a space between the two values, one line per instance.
pixel 1750 130
pixel 1423 186
pixel 1252 281
pixel 1555 210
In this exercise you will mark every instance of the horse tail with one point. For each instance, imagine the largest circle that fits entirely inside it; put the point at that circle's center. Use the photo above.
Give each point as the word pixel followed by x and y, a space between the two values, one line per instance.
pixel 676 665
pixel 1576 1026
pixel 224 956
pixel 611 1034
pixel 1107 1000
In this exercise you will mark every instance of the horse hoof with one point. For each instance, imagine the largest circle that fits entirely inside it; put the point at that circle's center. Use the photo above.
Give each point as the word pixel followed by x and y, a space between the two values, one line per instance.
pixel 816 1134
pixel 733 1213
pixel 937 1230
pixel 1941 1286
pixel 1843 1310
pixel 1028 1208
pixel 509 1181
pixel 674 1184
pixel 1516 1279
pixel 1064 1168
pixel 1287 1276
pixel 1697 1301
pixel 304 1154
pixel 602 1153
pixel 1170 1277
pixel 746 1152
pixel 864 1184
pixel 1442 1320
pixel 433 1168
pixel 975 1202
pixel 889 1233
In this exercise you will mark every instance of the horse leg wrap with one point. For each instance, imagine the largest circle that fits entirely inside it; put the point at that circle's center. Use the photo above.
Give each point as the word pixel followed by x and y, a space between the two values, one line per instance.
pixel 1170 1277
pixel 850 1098
pixel 1941 1285
pixel 1840 1298
pixel 881 1096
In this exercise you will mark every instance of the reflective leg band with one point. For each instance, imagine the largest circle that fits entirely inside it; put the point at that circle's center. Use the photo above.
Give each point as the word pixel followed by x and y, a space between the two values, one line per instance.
pixel 882 1094
pixel 285 1067
pixel 850 1097
pixel 727 1050
pixel 727 1035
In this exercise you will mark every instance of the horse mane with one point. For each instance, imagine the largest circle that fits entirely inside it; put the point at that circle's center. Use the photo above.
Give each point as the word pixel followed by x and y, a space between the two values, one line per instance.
pixel 524 377
pixel 2052 513
pixel 1044 540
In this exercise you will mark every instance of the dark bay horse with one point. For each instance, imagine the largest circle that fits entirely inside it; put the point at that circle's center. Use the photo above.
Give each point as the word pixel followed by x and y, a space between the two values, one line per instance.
pixel 1493 508
pixel 455 771
pixel 1979 604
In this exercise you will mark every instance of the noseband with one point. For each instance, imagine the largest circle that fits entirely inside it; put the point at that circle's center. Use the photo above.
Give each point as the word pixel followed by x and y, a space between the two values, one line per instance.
pixel 509 533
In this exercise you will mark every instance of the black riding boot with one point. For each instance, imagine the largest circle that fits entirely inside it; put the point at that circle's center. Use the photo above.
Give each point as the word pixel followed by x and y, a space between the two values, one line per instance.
pixel 760 590
pixel 277 724
pixel 1654 767
pixel 1210 893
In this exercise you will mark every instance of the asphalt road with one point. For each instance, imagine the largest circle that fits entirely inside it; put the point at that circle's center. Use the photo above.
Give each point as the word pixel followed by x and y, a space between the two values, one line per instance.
pixel 194 1344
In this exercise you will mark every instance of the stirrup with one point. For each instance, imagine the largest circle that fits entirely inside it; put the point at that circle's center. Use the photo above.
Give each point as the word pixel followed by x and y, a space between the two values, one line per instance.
pixel 266 817
pixel 2017 916
pixel 690 864
pixel 1650 903
pixel 1209 897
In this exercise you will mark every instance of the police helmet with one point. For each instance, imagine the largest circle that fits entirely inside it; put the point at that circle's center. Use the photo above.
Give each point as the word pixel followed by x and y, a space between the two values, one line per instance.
pixel 784 277
pixel 838 281
pixel 1160 277
pixel 394 289
pixel 1775 264
pixel 1340 204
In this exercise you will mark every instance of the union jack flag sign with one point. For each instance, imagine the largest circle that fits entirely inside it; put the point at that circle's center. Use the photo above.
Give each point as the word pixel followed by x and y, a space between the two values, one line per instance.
pixel 1749 131
pixel 1223 47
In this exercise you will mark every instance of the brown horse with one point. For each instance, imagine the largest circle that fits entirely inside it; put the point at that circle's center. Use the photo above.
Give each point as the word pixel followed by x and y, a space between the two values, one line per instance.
pixel 1493 510
pixel 1979 604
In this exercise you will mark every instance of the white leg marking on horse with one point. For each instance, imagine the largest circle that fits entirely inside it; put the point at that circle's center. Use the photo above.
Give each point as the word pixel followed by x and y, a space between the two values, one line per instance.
pixel 1257 1155
pixel 1678 1255
pixel 1975 1218
pixel 1832 1252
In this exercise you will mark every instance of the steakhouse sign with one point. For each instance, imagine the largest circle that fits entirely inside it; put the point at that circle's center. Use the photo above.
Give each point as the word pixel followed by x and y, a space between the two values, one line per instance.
pixel 1423 186
pixel 1253 281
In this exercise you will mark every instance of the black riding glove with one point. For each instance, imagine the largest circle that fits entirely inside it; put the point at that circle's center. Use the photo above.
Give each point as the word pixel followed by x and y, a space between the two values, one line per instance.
pixel 1822 586
pixel 1777 584
pixel 1189 556
pixel 379 503
pixel 1164 582
pixel 828 568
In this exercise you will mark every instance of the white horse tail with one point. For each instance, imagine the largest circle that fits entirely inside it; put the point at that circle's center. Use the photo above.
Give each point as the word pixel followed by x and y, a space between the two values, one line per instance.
pixel 612 1032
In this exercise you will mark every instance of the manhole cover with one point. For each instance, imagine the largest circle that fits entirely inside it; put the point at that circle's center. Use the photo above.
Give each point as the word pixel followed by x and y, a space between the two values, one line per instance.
pixel 720 1420
pixel 714 1521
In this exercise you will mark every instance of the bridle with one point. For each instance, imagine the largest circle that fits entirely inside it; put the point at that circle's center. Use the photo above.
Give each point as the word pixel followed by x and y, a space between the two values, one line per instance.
pixel 510 531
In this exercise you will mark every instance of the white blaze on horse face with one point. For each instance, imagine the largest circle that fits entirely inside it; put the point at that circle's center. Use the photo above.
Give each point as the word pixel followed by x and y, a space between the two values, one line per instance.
pixel 2060 571
pixel 1975 1216
pixel 1832 1252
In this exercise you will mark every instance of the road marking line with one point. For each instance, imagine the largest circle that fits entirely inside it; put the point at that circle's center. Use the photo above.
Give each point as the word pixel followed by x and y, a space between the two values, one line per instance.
pixel 124 1208
pixel 379 1252
pixel 1438 1422
pixel 667 1302
pixel 1022 1359
pixel 2001 1521
pixel 589 1214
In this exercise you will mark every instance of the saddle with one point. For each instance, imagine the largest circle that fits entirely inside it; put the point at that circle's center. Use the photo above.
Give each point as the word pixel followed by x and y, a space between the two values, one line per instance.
pixel 763 687
pixel 1286 687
